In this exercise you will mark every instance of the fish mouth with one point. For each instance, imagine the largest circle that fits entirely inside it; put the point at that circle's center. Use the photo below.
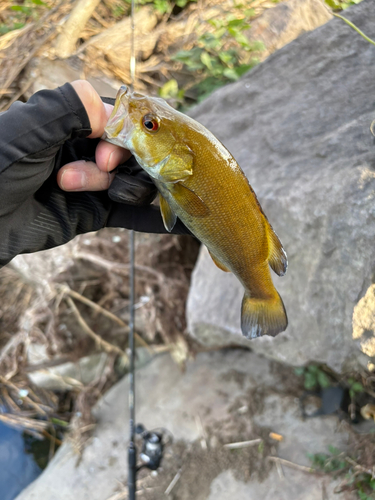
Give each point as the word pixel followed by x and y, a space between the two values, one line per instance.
pixel 118 128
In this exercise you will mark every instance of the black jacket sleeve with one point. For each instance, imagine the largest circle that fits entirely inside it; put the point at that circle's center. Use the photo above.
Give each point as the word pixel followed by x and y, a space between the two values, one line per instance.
pixel 36 139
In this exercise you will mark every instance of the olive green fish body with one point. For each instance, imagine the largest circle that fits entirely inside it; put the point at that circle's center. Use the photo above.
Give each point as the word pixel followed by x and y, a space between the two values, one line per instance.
pixel 201 183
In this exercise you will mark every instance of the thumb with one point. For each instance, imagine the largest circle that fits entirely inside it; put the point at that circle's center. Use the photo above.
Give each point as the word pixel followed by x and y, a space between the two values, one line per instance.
pixel 97 111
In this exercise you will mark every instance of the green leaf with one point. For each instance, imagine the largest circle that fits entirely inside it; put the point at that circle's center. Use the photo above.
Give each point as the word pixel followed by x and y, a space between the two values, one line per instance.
pixel 182 55
pixel 226 57
pixel 243 41
pixel 21 8
pixel 236 22
pixel 60 422
pixel 231 74
pixel 333 4
pixel 362 495
pixel 299 371
pixel 323 380
pixel 162 6
pixel 313 368
pixel 169 89
pixel 212 40
pixel 310 380
pixel 215 23
pixel 333 450
pixel 207 86
pixel 244 68
pixel 39 2
pixel 357 387
pixel 207 60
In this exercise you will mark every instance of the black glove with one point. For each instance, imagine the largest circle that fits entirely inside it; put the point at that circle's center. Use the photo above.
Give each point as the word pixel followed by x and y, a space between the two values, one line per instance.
pixel 36 140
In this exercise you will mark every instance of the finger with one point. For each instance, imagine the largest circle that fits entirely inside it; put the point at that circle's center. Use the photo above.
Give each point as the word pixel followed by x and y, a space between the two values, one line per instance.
pixel 97 111
pixel 83 176
pixel 108 156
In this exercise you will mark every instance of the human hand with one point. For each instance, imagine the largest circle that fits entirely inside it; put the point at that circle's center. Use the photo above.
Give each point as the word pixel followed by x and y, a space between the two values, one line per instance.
pixel 95 172
pixel 56 176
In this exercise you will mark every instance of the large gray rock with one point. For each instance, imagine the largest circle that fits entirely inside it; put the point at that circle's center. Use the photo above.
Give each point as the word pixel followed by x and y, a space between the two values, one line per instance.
pixel 299 125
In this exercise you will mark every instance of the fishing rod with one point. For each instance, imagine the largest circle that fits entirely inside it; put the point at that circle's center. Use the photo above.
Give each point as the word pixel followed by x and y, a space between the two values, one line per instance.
pixel 152 447
pixel 132 450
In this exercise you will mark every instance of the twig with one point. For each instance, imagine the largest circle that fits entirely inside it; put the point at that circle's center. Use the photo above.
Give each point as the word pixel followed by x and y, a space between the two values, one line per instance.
pixel 26 398
pixel 27 423
pixel 95 259
pixel 292 465
pixel 198 422
pixel 52 438
pixel 32 53
pixel 278 465
pixel 100 20
pixel 280 470
pixel 243 444
pixel 81 13
pixel 121 495
pixel 102 311
pixel 27 59
pixel 173 483
pixel 360 468
pixel 106 346
pixel 9 401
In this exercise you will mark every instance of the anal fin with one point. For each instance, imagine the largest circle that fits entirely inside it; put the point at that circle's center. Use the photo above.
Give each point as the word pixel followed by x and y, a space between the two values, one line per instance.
pixel 169 217
pixel 277 258
pixel 218 263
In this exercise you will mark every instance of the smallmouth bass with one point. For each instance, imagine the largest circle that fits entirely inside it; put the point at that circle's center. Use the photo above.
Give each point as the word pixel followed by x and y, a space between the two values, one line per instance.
pixel 200 182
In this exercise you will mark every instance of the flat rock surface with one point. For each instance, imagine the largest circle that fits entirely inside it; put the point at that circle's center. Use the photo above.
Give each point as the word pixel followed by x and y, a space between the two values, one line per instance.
pixel 224 396
pixel 299 126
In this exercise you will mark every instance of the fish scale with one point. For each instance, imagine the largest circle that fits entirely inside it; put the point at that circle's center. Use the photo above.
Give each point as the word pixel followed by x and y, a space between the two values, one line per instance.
pixel 200 182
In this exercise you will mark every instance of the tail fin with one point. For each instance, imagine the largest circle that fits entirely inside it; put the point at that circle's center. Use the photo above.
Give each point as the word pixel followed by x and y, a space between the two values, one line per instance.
pixel 263 316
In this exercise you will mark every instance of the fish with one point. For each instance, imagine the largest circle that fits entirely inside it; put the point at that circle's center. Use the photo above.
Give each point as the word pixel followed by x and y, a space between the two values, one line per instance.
pixel 201 183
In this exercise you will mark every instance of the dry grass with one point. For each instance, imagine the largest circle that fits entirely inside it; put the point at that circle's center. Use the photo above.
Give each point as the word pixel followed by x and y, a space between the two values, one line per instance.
pixel 102 46
pixel 84 308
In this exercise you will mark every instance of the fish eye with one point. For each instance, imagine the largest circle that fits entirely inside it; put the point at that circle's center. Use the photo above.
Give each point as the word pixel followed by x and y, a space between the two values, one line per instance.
pixel 150 123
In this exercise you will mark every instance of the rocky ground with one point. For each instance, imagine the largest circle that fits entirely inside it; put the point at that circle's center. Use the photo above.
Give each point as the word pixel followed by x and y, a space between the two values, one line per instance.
pixel 226 396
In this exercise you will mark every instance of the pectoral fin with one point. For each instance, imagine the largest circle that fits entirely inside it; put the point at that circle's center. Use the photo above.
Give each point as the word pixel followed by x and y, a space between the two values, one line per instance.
pixel 169 217
pixel 189 201
pixel 218 263
pixel 277 258
pixel 178 166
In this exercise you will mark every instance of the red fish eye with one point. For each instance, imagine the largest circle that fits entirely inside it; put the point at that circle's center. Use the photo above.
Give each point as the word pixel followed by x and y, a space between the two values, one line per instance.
pixel 150 123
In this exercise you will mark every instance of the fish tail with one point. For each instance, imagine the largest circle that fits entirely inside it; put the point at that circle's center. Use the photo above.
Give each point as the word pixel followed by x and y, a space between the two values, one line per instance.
pixel 263 316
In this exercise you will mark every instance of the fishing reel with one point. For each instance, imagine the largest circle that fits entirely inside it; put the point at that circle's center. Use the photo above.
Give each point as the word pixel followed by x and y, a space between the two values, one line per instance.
pixel 152 449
